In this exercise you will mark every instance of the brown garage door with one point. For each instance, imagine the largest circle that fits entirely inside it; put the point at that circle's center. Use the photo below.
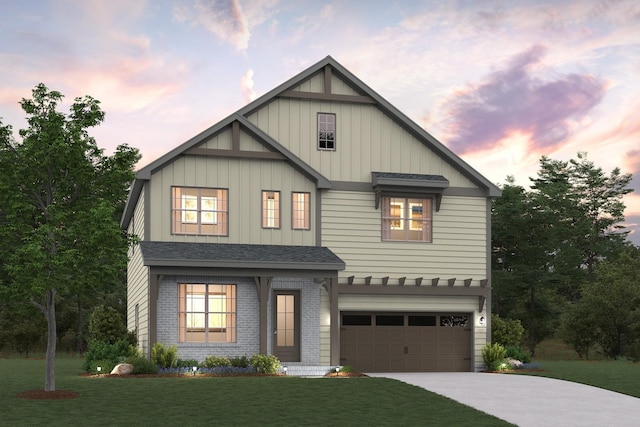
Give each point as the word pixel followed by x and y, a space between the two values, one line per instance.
pixel 405 342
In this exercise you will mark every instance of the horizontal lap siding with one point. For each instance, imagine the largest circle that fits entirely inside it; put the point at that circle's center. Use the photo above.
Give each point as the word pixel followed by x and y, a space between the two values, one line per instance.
pixel 351 227
pixel 137 280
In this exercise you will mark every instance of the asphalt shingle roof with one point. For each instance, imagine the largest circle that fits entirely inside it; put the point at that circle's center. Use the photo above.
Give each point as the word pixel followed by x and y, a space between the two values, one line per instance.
pixel 238 255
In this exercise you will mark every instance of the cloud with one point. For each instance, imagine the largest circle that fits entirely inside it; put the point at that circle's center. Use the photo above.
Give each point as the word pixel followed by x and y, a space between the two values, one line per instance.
pixel 229 20
pixel 246 84
pixel 516 100
pixel 632 164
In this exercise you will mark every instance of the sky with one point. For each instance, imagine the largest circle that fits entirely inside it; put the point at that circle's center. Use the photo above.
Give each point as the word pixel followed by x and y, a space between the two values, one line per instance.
pixel 501 83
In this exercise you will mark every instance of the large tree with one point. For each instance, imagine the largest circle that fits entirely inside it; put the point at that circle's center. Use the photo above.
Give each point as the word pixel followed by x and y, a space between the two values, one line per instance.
pixel 522 275
pixel 58 198
pixel 588 208
pixel 548 240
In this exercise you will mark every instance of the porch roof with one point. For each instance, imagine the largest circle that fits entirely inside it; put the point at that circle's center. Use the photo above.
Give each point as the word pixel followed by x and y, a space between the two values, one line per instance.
pixel 245 256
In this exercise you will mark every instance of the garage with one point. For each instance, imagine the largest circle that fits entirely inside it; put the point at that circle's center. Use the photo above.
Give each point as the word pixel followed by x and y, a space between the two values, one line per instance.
pixel 405 342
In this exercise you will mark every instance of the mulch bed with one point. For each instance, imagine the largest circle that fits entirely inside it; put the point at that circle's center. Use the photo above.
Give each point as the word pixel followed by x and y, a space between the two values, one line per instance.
pixel 345 375
pixel 48 395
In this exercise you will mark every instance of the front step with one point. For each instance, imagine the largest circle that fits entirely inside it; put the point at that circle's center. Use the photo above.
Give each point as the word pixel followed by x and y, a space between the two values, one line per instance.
pixel 306 371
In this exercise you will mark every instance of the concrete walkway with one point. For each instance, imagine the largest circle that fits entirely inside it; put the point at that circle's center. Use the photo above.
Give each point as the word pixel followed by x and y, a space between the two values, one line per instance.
pixel 530 401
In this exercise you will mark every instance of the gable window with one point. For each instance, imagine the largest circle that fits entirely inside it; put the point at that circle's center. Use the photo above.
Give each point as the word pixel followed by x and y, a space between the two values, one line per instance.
pixel 199 211
pixel 207 312
pixel 326 131
pixel 270 209
pixel 406 219
pixel 300 211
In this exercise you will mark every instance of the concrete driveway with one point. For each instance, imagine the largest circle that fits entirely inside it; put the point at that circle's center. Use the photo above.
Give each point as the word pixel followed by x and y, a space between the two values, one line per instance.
pixel 530 401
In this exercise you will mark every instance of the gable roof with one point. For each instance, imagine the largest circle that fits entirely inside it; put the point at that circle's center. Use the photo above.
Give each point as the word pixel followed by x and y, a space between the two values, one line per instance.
pixel 350 79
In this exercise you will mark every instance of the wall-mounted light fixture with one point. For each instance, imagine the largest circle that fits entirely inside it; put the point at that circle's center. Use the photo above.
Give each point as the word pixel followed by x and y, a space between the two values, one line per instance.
pixel 481 321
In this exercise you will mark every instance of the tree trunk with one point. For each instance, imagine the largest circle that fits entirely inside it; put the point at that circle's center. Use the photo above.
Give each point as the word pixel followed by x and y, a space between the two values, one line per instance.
pixel 49 311
pixel 79 337
pixel 50 372
pixel 532 322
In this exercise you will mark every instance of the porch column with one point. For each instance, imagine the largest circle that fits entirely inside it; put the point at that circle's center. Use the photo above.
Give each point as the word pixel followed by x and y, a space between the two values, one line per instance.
pixel 154 284
pixel 335 322
pixel 263 283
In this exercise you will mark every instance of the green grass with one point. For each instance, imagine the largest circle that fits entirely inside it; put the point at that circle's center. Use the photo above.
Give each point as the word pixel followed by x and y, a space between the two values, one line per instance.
pixel 621 376
pixel 223 401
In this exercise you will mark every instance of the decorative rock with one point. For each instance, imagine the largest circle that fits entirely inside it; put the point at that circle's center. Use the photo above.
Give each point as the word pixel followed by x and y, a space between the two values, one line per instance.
pixel 514 363
pixel 122 369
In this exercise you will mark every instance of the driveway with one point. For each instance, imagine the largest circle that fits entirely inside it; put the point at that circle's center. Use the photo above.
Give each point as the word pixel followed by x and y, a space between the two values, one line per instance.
pixel 530 401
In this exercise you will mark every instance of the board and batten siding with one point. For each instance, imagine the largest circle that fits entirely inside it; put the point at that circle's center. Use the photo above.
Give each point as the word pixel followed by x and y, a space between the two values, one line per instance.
pixel 138 280
pixel 351 228
pixel 245 179
pixel 315 84
pixel 367 140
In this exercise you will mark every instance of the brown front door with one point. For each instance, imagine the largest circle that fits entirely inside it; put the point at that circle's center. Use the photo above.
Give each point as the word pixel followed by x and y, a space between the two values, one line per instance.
pixel 286 332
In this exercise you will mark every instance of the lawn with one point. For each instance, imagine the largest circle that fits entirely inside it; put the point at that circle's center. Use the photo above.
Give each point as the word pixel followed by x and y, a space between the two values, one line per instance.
pixel 223 401
pixel 616 375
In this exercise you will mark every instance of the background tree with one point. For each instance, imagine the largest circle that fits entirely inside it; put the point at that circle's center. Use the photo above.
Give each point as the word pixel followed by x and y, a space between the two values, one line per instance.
pixel 613 300
pixel 521 270
pixel 58 195
pixel 547 241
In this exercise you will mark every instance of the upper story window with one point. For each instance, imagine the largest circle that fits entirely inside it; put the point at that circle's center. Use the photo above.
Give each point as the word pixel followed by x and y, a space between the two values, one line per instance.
pixel 207 312
pixel 326 131
pixel 300 211
pixel 199 211
pixel 406 219
pixel 270 209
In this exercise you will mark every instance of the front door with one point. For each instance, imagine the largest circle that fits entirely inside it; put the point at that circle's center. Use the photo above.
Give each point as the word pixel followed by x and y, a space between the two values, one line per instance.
pixel 286 333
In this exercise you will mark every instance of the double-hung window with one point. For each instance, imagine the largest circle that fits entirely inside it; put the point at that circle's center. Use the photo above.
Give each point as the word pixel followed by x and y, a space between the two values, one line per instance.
pixel 300 211
pixel 270 209
pixel 407 219
pixel 199 211
pixel 207 312
pixel 326 131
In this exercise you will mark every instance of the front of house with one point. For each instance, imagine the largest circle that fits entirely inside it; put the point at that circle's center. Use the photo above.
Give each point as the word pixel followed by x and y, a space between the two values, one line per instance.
pixel 318 224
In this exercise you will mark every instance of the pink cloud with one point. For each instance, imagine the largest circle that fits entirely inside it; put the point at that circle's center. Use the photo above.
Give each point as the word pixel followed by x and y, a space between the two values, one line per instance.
pixel 246 85
pixel 632 164
pixel 223 18
pixel 516 100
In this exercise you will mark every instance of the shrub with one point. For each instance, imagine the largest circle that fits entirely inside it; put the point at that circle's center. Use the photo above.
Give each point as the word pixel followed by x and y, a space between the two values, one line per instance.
pixel 164 357
pixel 141 365
pixel 105 366
pixel 507 332
pixel 106 325
pixel 102 351
pixel 216 361
pixel 187 363
pixel 633 351
pixel 240 362
pixel 517 353
pixel 493 356
pixel 265 364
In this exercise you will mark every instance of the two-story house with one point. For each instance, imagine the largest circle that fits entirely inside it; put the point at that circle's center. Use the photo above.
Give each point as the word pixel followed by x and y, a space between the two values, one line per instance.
pixel 318 224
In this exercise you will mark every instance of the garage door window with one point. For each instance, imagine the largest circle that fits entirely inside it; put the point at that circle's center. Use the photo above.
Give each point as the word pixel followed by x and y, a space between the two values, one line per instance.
pixel 356 320
pixel 422 320
pixel 454 321
pixel 390 320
